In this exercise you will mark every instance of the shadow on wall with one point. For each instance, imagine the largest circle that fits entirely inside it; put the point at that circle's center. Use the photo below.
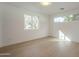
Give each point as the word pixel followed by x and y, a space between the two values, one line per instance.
pixel 62 36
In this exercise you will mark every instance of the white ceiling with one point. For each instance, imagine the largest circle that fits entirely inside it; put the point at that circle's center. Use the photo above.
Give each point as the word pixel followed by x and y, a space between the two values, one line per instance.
pixel 51 9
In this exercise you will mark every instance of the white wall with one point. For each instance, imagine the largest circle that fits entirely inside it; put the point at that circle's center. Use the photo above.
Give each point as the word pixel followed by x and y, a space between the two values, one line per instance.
pixel 1 24
pixel 71 29
pixel 13 26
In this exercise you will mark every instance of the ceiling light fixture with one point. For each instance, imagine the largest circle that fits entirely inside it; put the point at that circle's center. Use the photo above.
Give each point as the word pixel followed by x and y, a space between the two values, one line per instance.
pixel 45 3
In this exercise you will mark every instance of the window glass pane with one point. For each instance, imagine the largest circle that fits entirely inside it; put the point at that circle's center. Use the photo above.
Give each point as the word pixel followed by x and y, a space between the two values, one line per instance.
pixel 31 22
pixel 67 18
pixel 59 19
pixel 27 22
pixel 35 22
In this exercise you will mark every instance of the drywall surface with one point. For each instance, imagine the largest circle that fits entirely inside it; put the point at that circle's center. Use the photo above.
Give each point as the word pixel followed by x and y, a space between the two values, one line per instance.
pixel 0 27
pixel 1 24
pixel 70 29
pixel 13 27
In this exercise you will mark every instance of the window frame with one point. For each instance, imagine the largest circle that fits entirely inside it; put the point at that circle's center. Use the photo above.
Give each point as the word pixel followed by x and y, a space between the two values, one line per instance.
pixel 32 22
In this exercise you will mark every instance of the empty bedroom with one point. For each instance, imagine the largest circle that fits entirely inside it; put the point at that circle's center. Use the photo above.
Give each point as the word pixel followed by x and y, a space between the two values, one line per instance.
pixel 39 29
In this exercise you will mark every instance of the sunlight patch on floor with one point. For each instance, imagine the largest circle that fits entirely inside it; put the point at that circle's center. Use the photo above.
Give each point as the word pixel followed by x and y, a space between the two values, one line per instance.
pixel 63 37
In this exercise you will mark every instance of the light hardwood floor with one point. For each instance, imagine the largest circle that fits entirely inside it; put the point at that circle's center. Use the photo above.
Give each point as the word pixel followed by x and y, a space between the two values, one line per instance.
pixel 45 47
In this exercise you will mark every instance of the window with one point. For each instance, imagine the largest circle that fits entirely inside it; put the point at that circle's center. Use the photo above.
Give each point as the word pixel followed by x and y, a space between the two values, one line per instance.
pixel 31 22
pixel 68 18
pixel 59 19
